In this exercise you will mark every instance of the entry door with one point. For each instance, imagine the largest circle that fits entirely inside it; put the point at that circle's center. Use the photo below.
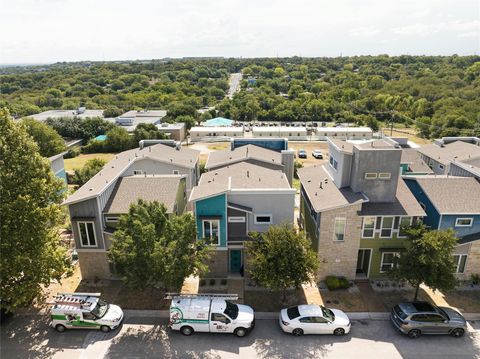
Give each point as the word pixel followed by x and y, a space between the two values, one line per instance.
pixel 363 261
pixel 235 260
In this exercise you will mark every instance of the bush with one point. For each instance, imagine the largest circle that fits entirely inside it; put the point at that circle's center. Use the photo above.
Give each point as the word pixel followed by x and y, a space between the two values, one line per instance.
pixel 223 281
pixel 211 282
pixel 475 278
pixel 73 152
pixel 202 282
pixel 334 283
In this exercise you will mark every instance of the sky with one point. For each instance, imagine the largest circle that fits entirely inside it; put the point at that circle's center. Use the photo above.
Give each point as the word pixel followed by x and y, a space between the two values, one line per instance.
pixel 46 31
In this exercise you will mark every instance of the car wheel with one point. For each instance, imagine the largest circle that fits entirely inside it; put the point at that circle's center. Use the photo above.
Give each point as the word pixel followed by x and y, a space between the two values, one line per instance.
pixel 297 332
pixel 105 328
pixel 240 332
pixel 187 331
pixel 339 331
pixel 60 328
pixel 457 332
pixel 414 333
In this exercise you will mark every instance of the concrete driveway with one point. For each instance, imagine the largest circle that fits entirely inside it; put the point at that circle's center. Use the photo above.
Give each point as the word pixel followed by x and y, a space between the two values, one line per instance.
pixel 30 337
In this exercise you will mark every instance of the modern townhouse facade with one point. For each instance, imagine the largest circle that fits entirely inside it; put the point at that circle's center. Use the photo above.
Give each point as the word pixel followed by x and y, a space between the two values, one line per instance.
pixel 354 207
pixel 276 160
pixel 231 201
pixel 158 172
pixel 453 202
pixel 57 165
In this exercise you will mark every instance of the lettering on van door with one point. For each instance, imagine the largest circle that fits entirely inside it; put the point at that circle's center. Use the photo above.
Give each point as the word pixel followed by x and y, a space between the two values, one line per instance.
pixel 220 323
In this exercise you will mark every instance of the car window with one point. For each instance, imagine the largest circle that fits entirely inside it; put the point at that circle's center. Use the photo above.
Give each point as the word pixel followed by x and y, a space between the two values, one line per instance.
pixel 217 317
pixel 88 316
pixel 420 318
pixel 306 320
pixel 319 320
pixel 435 318
pixel 293 312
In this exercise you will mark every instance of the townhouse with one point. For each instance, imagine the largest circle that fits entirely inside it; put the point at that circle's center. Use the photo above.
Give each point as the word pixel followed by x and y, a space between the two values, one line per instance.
pixel 453 202
pixel 233 200
pixel 156 173
pixel 354 207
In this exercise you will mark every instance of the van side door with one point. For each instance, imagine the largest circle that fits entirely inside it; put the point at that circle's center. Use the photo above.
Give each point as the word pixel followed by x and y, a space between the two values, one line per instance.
pixel 219 323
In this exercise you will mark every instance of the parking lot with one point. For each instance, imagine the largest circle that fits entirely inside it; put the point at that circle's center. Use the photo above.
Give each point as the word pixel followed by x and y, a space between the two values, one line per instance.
pixel 146 337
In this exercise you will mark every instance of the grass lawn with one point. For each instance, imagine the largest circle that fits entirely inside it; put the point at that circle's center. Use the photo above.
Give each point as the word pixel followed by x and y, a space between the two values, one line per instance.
pixel 407 132
pixel 344 300
pixel 296 184
pixel 80 160
pixel 219 146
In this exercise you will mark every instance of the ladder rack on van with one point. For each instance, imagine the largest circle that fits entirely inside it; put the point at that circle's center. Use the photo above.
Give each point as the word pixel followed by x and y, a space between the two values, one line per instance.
pixel 73 299
pixel 201 295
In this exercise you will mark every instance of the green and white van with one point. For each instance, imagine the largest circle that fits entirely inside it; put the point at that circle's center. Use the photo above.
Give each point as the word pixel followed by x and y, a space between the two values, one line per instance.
pixel 84 311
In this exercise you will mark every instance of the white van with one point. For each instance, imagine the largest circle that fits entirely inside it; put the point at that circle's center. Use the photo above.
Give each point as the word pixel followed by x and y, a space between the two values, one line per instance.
pixel 211 313
pixel 84 311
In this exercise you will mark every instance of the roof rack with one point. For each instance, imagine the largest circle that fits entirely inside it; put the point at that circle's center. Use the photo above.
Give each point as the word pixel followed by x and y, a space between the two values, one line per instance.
pixel 77 294
pixel 73 299
pixel 201 295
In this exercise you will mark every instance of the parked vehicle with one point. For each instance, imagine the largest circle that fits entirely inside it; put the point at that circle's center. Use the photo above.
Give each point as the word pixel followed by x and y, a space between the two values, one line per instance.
pixel 417 318
pixel 314 319
pixel 317 154
pixel 211 313
pixel 302 154
pixel 84 311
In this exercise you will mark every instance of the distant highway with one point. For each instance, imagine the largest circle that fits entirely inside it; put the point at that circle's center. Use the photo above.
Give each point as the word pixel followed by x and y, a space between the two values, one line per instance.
pixel 235 80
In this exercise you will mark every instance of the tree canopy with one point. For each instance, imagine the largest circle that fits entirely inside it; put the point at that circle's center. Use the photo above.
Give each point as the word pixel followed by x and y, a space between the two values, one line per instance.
pixel 31 254
pixel 150 247
pixel 428 259
pixel 90 169
pixel 49 142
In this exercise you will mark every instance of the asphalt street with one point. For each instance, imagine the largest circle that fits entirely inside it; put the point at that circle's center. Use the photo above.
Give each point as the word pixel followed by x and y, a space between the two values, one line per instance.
pixel 143 337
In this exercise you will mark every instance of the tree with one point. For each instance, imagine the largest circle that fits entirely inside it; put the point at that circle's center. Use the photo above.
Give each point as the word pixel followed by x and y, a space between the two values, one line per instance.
pixel 49 142
pixel 90 169
pixel 30 216
pixel 119 140
pixel 428 259
pixel 281 258
pixel 147 131
pixel 189 121
pixel 150 247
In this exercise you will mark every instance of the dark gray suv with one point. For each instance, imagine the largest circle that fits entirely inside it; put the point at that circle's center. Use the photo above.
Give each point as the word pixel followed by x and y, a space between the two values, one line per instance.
pixel 416 318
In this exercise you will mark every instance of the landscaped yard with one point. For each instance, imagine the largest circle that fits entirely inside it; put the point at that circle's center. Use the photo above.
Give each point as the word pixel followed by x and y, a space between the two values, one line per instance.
pixel 265 301
pixel 344 300
pixel 80 160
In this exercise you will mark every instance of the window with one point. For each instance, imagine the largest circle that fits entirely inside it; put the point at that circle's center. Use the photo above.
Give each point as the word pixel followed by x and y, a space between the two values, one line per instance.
pixel 211 229
pixel 111 219
pixel 464 222
pixel 236 219
pixel 368 227
pixel 389 260
pixel 306 320
pixel 87 234
pixel 176 172
pixel 137 172
pixel 333 163
pixel 385 175
pixel 370 175
pixel 319 320
pixel 442 167
pixel 404 222
pixel 424 207
pixel 88 316
pixel 339 229
pixel 263 219
pixel 459 261
pixel 217 317
pixel 386 228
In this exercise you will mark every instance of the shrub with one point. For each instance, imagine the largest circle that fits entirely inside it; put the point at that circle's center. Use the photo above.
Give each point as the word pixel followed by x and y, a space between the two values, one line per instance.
pixel 211 281
pixel 202 282
pixel 475 278
pixel 73 152
pixel 334 283
pixel 223 281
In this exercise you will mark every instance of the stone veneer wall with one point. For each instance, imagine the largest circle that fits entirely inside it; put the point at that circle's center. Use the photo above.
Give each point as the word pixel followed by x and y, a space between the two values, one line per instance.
pixel 473 261
pixel 218 264
pixel 94 265
pixel 339 258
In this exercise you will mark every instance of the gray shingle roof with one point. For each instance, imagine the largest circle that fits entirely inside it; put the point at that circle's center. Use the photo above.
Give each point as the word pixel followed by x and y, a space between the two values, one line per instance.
pixel 405 205
pixel 241 175
pixel 223 157
pixel 343 146
pixel 455 151
pixel 128 190
pixel 328 196
pixel 185 157
pixel 415 163
pixel 452 195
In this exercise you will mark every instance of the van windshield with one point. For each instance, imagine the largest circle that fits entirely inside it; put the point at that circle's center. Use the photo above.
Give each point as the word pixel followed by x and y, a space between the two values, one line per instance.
pixel 100 309
pixel 231 310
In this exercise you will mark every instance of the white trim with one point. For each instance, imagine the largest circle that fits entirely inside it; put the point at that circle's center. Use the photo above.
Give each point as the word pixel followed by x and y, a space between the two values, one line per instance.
pixel 384 175
pixel 209 238
pixel 400 225
pixel 88 236
pixel 464 225
pixel 344 228
pixel 92 250
pixel 112 219
pixel 176 172
pixel 236 219
pixel 391 229
pixel 373 229
pixel 138 172
pixel 370 175
pixel 369 260
pixel 381 262
pixel 262 215
pixel 460 261
pixel 239 209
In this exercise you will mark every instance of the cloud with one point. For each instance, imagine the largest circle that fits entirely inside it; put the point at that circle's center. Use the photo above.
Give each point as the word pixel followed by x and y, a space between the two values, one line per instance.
pixel 364 31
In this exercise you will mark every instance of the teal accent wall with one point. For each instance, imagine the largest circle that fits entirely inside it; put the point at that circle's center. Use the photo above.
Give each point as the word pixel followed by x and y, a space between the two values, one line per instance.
pixel 213 206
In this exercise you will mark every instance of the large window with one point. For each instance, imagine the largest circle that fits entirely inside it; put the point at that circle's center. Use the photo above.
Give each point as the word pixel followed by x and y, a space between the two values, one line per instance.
pixel 87 234
pixel 459 261
pixel 389 260
pixel 385 175
pixel 368 227
pixel 339 229
pixel 263 219
pixel 333 163
pixel 405 222
pixel 387 226
pixel 370 175
pixel 464 222
pixel 211 230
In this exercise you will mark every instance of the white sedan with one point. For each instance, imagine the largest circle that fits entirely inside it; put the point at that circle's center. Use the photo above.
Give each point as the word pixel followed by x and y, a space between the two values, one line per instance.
pixel 314 319
pixel 317 154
